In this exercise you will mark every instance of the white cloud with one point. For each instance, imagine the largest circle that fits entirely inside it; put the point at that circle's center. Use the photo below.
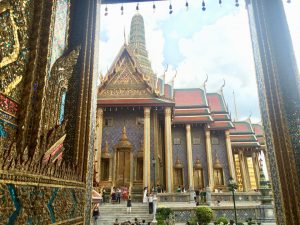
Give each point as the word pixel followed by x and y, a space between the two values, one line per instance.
pixel 222 48
pixel 223 51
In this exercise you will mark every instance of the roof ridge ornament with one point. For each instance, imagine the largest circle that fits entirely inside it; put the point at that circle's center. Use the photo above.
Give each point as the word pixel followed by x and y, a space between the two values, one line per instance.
pixel 205 81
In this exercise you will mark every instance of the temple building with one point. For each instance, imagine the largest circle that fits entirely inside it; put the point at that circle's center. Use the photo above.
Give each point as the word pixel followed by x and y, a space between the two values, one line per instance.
pixel 188 133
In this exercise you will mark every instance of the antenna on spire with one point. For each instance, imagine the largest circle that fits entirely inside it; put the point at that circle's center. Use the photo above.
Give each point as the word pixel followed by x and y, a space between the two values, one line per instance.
pixel 249 117
pixel 164 75
pixel 235 110
pixel 204 83
pixel 223 85
pixel 124 36
pixel 173 79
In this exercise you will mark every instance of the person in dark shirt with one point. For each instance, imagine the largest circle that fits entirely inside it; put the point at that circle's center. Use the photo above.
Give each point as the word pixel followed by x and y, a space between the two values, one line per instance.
pixel 129 204
pixel 96 213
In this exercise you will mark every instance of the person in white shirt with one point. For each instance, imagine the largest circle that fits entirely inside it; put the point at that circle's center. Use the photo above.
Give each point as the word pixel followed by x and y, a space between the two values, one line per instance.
pixel 150 200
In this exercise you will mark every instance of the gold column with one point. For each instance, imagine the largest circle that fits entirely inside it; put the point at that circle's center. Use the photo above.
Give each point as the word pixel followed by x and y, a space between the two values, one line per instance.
pixel 156 150
pixel 189 156
pixel 230 155
pixel 244 171
pixel 210 169
pixel 99 126
pixel 168 150
pixel 146 156
pixel 255 161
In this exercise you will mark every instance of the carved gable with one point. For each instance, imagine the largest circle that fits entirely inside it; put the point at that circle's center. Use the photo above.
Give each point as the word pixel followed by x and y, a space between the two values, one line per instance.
pixel 125 81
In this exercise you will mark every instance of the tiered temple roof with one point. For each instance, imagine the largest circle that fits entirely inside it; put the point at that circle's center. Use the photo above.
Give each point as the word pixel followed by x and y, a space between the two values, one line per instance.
pixel 246 134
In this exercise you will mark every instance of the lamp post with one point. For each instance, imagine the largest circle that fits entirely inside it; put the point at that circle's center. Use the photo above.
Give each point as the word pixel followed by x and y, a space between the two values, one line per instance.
pixel 154 221
pixel 232 187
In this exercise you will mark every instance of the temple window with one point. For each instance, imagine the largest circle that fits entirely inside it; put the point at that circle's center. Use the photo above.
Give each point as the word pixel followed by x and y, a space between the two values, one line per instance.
pixel 176 141
pixel 108 122
pixel 215 140
pixel 140 121
pixel 196 141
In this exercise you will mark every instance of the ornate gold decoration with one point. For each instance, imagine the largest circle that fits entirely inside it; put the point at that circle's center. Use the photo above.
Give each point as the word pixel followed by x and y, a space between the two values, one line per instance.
pixel 105 153
pixel 197 165
pixel 178 164
pixel 217 164
pixel 125 79
pixel 123 141
pixel 4 7
pixel 15 24
pixel 58 83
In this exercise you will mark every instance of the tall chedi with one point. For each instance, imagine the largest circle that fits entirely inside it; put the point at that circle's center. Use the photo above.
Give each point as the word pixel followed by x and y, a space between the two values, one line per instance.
pixel 137 44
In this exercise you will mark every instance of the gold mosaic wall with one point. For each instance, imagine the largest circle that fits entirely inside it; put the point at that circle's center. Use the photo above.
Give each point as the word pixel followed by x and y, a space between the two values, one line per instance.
pixel 15 24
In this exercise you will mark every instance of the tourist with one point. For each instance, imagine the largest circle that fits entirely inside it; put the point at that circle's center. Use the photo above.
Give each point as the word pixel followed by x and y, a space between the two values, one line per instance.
pixel 129 204
pixel 158 188
pixel 118 195
pixel 197 194
pixel 187 223
pixel 113 195
pixel 143 222
pixel 136 222
pixel 150 200
pixel 116 222
pixel 145 198
pixel 96 213
pixel 178 189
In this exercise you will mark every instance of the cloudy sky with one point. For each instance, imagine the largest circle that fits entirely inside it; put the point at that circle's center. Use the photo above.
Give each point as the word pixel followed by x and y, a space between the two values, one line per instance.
pixel 195 43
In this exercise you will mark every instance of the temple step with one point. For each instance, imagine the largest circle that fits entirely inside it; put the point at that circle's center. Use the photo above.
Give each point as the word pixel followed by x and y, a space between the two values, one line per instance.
pixel 109 212
pixel 137 193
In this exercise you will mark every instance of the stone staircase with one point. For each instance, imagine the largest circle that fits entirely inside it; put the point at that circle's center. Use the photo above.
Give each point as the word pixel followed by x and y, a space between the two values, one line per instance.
pixel 109 212
pixel 137 193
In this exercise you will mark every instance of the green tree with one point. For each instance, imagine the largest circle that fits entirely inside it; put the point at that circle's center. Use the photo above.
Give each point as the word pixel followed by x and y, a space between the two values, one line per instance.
pixel 204 215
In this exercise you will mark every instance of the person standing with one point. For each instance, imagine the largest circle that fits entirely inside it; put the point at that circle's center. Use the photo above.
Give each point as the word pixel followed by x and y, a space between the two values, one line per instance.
pixel 96 213
pixel 150 200
pixel 145 197
pixel 129 204
pixel 116 222
pixel 118 195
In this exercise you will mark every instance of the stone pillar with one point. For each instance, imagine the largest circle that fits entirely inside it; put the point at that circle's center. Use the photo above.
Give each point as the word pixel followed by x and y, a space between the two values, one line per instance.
pixel 99 126
pixel 279 94
pixel 168 150
pixel 230 155
pixel 189 151
pixel 146 156
pixel 244 171
pixel 210 168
